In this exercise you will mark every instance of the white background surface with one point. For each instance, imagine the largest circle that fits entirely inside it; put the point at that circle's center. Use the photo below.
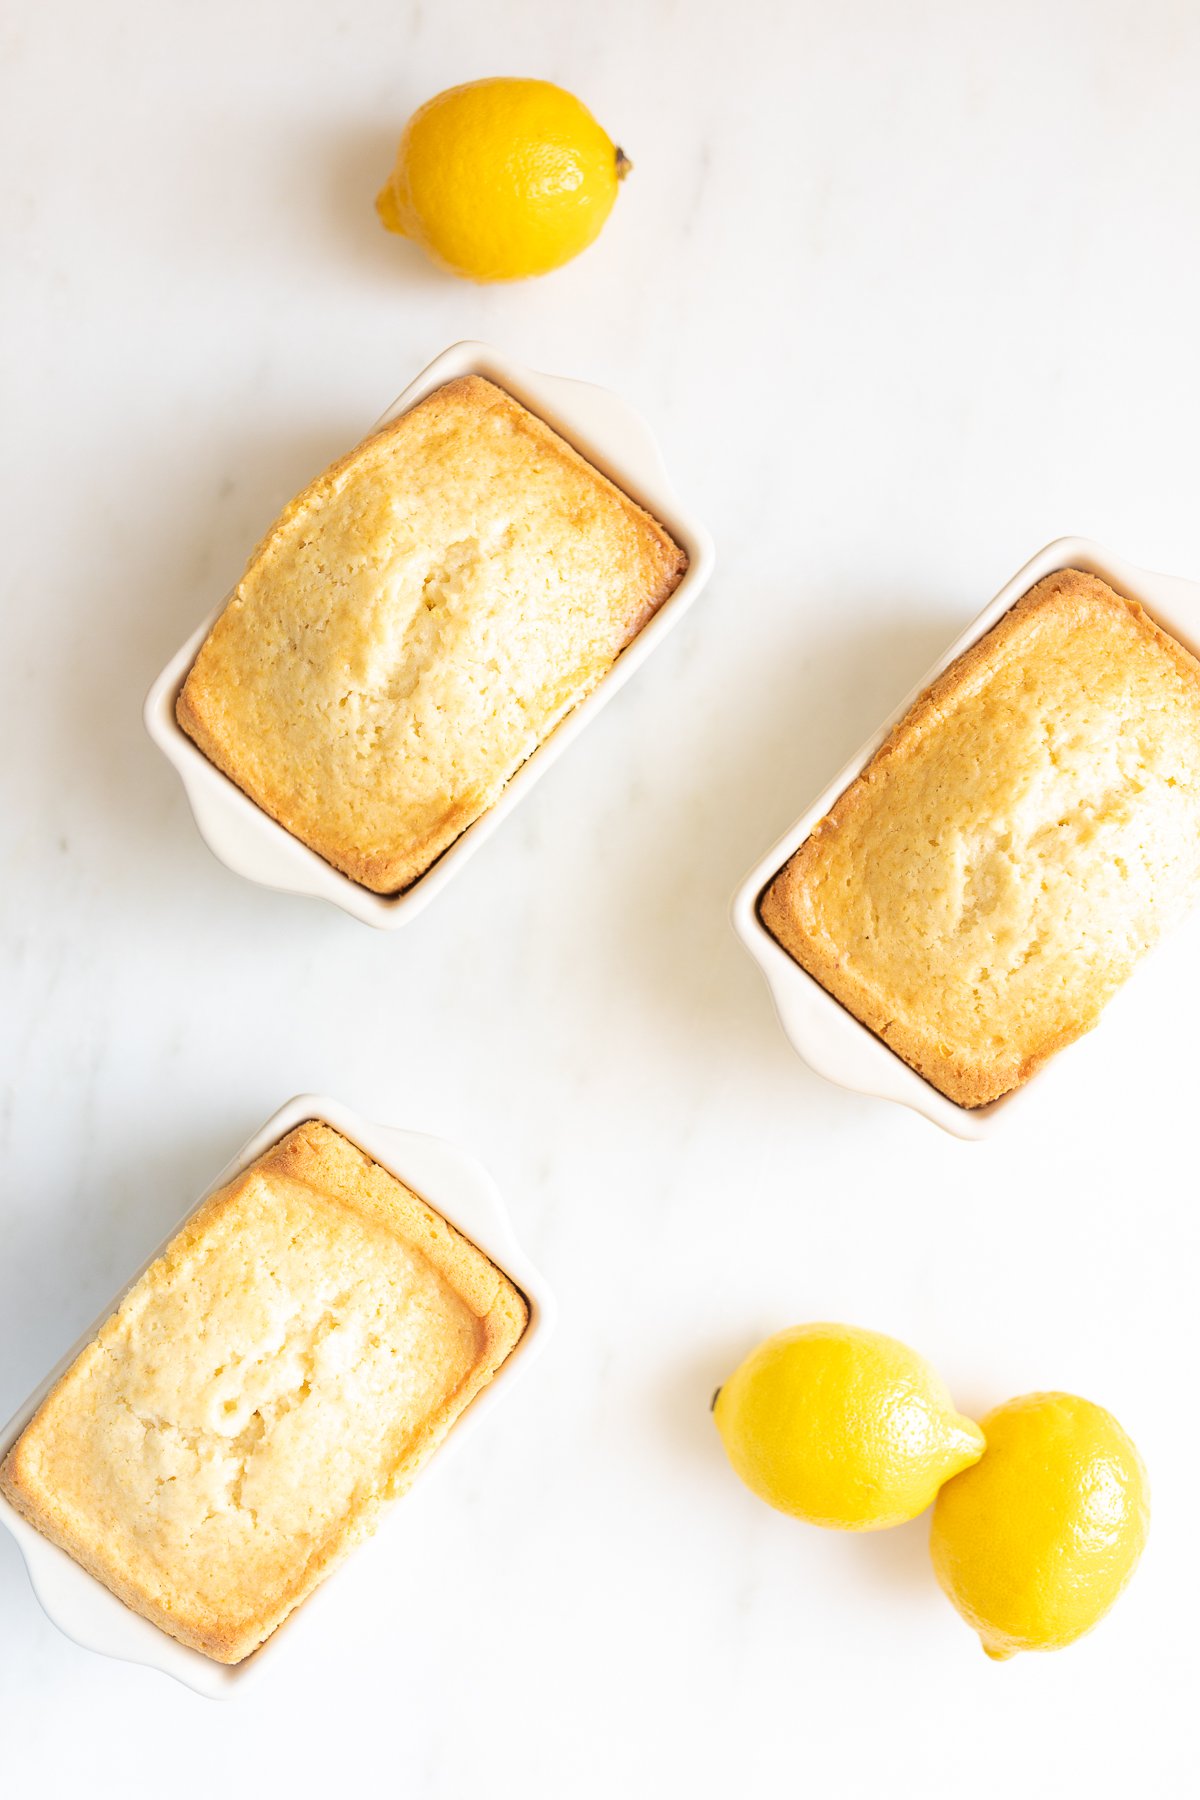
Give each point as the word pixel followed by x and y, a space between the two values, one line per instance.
pixel 906 290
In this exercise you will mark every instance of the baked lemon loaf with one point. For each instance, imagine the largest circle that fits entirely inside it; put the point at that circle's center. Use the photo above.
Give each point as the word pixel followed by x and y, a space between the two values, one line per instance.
pixel 1026 833
pixel 270 1383
pixel 416 623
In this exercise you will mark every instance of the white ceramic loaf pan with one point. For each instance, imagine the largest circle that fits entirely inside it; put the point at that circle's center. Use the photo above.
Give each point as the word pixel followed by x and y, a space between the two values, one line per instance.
pixel 830 1039
pixel 460 1189
pixel 611 435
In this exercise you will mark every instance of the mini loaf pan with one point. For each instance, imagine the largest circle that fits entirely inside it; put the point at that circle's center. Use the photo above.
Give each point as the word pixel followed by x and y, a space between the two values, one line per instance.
pixel 828 1037
pixel 457 1187
pixel 613 437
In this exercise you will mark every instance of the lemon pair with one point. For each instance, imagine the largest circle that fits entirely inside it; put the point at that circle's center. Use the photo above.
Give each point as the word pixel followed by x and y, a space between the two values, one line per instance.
pixel 1040 1515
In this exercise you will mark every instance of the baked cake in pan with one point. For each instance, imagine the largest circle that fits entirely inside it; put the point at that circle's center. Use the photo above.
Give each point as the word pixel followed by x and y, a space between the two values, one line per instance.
pixel 265 1389
pixel 1024 836
pixel 416 623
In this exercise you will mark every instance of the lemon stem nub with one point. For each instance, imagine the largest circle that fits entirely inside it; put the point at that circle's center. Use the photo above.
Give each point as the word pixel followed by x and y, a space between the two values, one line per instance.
pixel 385 206
pixel 623 164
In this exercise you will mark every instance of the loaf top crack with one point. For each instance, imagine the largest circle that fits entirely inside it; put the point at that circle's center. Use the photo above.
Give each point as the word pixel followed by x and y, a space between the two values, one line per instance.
pixel 269 1384
pixel 1024 836
pixel 416 623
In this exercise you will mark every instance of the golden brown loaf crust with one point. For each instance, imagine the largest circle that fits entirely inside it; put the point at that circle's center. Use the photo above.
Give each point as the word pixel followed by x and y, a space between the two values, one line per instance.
pixel 416 623
pixel 1026 833
pixel 270 1383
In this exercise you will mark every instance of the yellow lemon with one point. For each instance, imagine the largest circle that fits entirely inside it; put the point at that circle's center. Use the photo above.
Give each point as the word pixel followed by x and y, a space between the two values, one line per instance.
pixel 842 1427
pixel 1035 1542
pixel 503 178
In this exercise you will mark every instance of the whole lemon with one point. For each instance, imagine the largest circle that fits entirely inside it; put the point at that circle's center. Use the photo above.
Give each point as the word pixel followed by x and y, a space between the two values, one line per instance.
pixel 502 178
pixel 1035 1542
pixel 842 1427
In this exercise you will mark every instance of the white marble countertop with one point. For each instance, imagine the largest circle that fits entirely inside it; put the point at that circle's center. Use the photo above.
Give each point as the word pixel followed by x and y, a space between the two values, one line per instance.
pixel 906 291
